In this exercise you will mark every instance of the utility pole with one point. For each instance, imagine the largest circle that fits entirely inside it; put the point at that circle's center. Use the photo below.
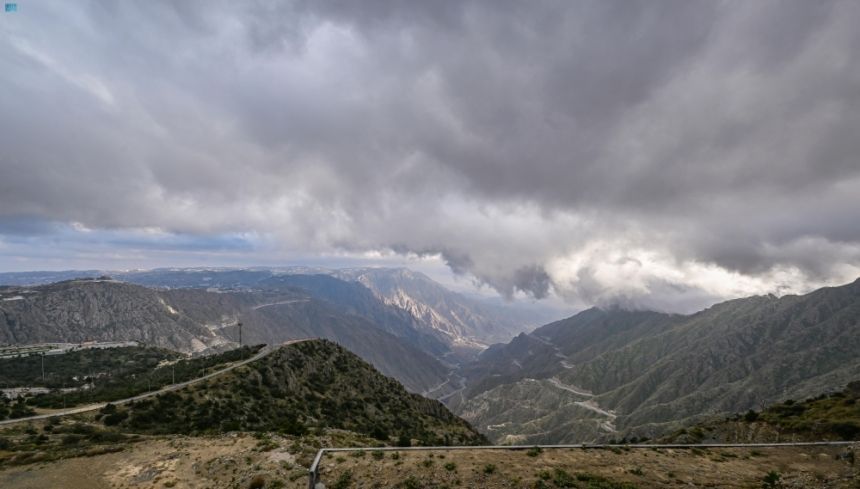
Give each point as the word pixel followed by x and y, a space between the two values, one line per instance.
pixel 43 366
pixel 240 333
pixel 173 369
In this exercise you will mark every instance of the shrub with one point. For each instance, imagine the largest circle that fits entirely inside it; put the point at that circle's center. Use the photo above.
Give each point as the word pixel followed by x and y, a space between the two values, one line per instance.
pixel 72 439
pixel 771 480
pixel 750 416
pixel 115 418
pixel 563 479
pixel 343 481
pixel 534 451
pixel 410 483
pixel 450 466
pixel 846 430
pixel 377 454
pixel 257 482
pixel 489 469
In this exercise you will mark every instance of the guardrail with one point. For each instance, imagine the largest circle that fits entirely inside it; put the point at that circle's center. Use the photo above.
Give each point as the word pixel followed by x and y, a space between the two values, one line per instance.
pixel 314 471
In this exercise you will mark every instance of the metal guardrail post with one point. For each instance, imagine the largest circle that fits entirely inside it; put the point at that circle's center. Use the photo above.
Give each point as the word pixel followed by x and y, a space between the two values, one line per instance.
pixel 314 471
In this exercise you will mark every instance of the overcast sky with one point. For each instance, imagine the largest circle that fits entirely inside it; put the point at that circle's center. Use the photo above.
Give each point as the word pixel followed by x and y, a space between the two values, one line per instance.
pixel 661 154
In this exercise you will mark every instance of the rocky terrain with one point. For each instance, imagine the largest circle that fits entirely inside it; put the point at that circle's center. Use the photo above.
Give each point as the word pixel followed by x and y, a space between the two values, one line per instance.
pixel 105 310
pixel 434 313
pixel 465 322
pixel 195 320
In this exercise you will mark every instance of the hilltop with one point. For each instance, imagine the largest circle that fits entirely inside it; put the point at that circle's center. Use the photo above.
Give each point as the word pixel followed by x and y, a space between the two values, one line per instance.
pixel 298 388
pixel 263 419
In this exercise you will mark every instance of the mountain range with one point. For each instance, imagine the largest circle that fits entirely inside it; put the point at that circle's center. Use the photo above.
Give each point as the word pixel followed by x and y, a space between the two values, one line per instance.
pixel 197 321
pixel 608 373
pixel 601 374
pixel 461 325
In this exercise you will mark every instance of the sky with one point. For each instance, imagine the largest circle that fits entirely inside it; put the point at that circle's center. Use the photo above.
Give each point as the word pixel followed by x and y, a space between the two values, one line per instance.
pixel 649 154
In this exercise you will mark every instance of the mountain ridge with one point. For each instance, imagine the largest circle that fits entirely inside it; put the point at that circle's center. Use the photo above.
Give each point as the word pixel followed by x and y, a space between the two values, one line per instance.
pixel 665 370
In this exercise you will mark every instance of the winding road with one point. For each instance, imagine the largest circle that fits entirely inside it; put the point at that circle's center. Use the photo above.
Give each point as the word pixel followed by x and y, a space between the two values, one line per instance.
pixel 180 385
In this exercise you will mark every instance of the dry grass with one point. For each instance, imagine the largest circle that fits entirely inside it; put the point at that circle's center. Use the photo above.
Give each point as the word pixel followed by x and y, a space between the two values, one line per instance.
pixel 233 461
pixel 640 468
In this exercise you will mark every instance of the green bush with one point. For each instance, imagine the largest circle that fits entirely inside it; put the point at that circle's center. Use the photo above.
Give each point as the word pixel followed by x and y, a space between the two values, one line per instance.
pixel 343 481
pixel 563 479
pixel 771 480
pixel 845 430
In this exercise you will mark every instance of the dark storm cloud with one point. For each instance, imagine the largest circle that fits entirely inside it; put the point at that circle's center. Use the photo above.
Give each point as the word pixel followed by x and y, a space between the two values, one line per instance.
pixel 609 151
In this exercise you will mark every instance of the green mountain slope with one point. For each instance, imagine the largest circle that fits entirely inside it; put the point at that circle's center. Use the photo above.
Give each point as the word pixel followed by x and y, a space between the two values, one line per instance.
pixel 651 373
pixel 834 416
pixel 307 385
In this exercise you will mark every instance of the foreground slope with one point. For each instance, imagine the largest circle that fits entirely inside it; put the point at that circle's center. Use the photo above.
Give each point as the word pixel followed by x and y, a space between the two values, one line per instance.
pixel 611 373
pixel 259 425
pixel 618 468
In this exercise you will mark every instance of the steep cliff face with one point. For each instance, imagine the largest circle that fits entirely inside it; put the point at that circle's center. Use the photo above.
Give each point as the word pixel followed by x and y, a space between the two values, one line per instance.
pixel 461 321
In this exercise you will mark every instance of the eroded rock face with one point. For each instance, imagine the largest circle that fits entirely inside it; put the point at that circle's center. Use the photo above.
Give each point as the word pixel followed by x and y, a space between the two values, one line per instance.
pixel 99 310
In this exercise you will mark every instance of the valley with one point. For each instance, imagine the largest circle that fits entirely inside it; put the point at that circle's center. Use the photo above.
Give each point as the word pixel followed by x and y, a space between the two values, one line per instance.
pixel 610 374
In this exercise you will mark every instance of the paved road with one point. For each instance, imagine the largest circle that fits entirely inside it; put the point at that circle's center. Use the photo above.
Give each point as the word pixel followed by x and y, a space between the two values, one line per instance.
pixel 92 407
pixel 291 301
